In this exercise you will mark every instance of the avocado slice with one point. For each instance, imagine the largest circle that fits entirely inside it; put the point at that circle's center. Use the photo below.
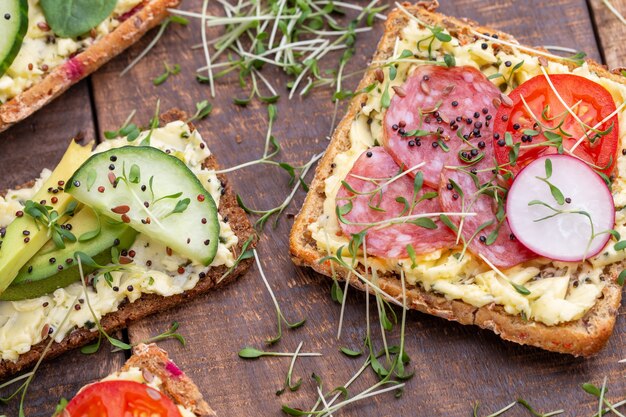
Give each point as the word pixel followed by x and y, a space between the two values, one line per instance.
pixel 53 268
pixel 24 236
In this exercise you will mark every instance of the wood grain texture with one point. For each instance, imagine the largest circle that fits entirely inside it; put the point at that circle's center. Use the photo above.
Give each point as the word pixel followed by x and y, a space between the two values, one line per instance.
pixel 454 365
pixel 611 31
pixel 40 141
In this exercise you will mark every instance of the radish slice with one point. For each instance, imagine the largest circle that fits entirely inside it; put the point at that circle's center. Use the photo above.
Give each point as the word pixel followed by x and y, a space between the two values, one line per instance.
pixel 566 236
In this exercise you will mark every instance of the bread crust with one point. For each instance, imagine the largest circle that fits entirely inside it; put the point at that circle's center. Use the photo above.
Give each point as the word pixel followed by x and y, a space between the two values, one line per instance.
pixel 176 384
pixel 583 337
pixel 75 69
pixel 150 304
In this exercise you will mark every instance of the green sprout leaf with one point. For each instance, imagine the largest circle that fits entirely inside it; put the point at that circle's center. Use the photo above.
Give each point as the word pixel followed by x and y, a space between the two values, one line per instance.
pixel 449 60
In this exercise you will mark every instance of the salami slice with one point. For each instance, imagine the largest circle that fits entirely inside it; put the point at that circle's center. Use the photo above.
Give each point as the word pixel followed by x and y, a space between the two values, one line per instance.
pixel 377 201
pixel 458 192
pixel 440 103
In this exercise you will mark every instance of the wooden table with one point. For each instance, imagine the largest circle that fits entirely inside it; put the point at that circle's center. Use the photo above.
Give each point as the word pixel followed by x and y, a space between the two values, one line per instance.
pixel 454 365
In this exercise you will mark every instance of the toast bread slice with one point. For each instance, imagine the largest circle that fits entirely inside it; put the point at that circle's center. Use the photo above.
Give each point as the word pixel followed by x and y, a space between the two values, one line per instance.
pixel 150 303
pixel 583 337
pixel 178 387
pixel 75 69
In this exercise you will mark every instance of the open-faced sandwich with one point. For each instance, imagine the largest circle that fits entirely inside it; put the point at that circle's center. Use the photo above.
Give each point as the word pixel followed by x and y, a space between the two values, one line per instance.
pixel 487 177
pixel 149 384
pixel 49 45
pixel 139 224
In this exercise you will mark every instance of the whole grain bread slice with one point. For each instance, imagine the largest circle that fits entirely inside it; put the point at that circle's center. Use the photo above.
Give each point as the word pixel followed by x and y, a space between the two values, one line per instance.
pixel 583 337
pixel 149 14
pixel 154 361
pixel 151 303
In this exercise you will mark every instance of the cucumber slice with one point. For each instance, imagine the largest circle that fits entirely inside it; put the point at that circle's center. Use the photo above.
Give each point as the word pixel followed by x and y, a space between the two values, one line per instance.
pixel 13 27
pixel 53 268
pixel 155 194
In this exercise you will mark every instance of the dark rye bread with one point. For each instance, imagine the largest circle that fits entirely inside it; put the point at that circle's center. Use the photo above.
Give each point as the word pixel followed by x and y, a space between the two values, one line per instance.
pixel 583 337
pixel 146 16
pixel 154 361
pixel 150 303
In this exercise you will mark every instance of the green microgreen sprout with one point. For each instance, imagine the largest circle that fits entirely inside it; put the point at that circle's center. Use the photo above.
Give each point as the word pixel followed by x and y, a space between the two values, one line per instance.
pixel 89 349
pixel 253 353
pixel 279 315
pixel 385 384
pixel 554 190
pixel 60 407
pixel 203 109
pixel 171 333
pixel 508 79
pixel 92 234
pixel 267 214
pixel 170 19
pixel 153 124
pixel 600 393
pixel 289 384
pixel 338 294
pixel 521 402
pixel 450 60
pixel 294 37
pixel 437 33
pixel 245 254
pixel 173 70
pixel 128 130
pixel 49 218
pixel 518 287
pixel 134 178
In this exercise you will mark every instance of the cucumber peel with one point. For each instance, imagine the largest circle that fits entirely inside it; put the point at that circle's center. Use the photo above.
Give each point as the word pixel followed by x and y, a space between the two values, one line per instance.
pixel 13 27
pixel 154 193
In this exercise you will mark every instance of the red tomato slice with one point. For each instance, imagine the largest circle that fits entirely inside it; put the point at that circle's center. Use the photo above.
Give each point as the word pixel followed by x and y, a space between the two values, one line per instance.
pixel 591 102
pixel 121 399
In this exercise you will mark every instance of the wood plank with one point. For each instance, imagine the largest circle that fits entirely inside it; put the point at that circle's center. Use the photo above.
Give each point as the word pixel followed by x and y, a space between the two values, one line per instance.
pixel 25 149
pixel 611 31
pixel 455 365
pixel 40 141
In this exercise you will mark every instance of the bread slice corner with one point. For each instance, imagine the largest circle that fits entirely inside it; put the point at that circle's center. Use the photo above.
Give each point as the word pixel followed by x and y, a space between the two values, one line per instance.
pixel 176 384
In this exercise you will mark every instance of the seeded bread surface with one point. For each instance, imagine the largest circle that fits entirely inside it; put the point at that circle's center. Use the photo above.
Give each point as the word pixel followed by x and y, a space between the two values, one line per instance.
pixel 154 361
pixel 583 337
